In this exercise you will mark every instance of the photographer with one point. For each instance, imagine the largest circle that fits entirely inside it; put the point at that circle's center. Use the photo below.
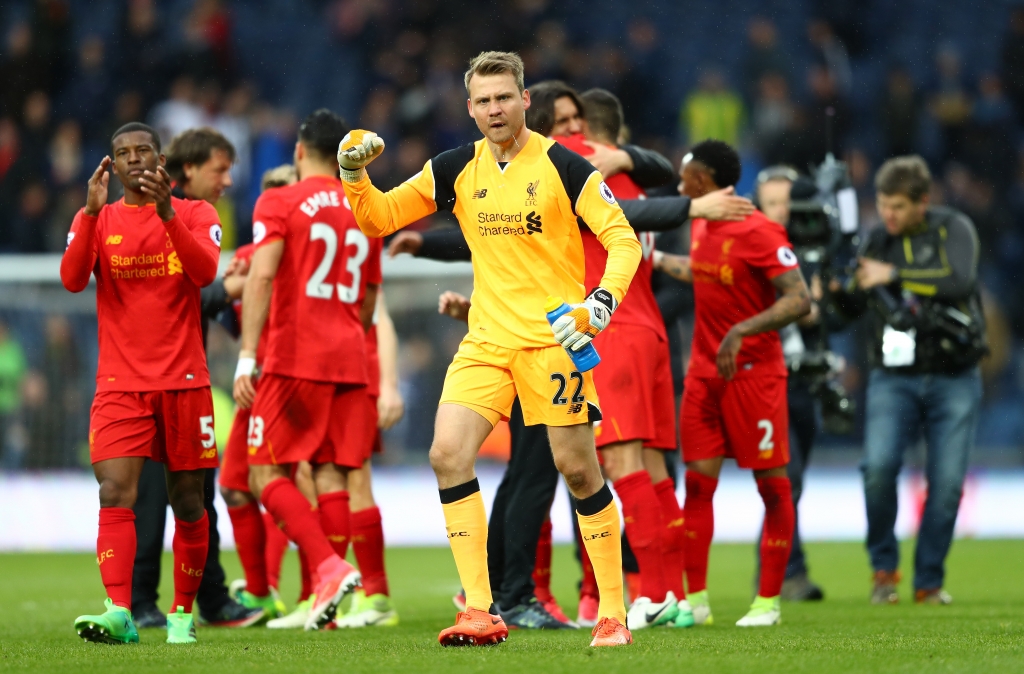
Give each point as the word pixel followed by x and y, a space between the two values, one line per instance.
pixel 776 187
pixel 917 279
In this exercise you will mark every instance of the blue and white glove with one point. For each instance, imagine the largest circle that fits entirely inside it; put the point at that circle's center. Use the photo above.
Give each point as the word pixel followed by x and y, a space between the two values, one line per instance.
pixel 580 325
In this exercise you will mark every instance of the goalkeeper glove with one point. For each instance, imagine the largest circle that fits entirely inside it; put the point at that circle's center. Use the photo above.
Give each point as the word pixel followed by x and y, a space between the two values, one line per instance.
pixel 357 149
pixel 575 329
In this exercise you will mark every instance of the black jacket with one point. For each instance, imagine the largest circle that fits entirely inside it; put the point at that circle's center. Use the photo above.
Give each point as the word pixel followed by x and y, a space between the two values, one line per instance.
pixel 938 272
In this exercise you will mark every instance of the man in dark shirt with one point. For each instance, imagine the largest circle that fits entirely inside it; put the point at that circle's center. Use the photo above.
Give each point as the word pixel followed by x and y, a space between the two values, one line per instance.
pixel 918 281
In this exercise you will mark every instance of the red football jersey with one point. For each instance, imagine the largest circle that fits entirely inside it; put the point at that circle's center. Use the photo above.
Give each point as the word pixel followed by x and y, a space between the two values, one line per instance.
pixel 733 264
pixel 245 253
pixel 314 331
pixel 638 307
pixel 147 308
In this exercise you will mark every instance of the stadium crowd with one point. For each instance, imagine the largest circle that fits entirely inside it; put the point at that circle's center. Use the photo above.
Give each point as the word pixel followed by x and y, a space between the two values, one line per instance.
pixel 72 76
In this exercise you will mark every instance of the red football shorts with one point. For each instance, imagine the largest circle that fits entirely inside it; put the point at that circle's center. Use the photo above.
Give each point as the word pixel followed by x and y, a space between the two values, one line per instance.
pixel 634 381
pixel 301 420
pixel 746 419
pixel 234 463
pixel 378 441
pixel 172 427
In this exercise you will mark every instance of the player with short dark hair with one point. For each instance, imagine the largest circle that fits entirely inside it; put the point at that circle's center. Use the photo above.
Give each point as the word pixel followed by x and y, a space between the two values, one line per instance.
pixel 312 286
pixel 151 253
pixel 747 284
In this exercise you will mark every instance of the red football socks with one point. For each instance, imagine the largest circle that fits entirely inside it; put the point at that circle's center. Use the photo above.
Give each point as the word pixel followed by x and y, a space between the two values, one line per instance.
pixel 334 518
pixel 673 539
pixel 277 545
pixel 642 513
pixel 699 527
pixel 291 509
pixel 251 543
pixel 779 520
pixel 190 545
pixel 542 567
pixel 307 577
pixel 115 553
pixel 368 544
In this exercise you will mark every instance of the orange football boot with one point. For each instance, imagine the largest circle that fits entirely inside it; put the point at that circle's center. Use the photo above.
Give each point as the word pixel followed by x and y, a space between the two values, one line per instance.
pixel 474 627
pixel 610 632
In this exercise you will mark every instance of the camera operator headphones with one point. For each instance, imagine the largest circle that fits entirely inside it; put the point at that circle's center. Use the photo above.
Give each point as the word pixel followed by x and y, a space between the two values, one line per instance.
pixel 777 172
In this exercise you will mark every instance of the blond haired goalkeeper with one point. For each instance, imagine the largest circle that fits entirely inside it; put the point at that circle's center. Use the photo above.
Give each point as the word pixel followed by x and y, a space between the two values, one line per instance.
pixel 517 197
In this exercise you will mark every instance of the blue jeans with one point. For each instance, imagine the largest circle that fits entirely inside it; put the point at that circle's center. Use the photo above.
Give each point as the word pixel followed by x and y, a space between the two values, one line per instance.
pixel 899 408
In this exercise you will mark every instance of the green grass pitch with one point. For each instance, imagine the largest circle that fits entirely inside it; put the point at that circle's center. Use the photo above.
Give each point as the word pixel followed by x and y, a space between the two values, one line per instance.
pixel 983 631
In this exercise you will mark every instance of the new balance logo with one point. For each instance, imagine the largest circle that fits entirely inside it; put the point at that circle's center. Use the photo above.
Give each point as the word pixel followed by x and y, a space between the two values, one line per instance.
pixel 575 408
pixel 209 454
pixel 480 194
pixel 533 223
pixel 114 239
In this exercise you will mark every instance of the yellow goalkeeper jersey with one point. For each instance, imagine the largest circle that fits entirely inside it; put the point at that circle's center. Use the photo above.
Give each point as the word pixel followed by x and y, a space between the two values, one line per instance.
pixel 520 221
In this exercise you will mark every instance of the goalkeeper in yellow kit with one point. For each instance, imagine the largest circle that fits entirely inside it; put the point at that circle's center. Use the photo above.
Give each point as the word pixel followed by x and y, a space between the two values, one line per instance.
pixel 517 196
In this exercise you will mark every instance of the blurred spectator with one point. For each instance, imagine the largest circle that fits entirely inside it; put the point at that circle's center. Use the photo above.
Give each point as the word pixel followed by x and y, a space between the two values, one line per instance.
pixel 233 122
pixel 208 51
pixel 832 54
pixel 828 114
pixel 11 179
pixel 989 145
pixel 53 39
pixel 900 115
pixel 66 154
pixel 55 397
pixel 951 103
pixel 31 223
pixel 35 136
pixel 544 59
pixel 12 376
pixel 143 54
pixel 773 113
pixel 642 106
pixel 87 98
pixel 1012 61
pixel 712 111
pixel 763 57
pixel 179 112
pixel 128 107
pixel 21 70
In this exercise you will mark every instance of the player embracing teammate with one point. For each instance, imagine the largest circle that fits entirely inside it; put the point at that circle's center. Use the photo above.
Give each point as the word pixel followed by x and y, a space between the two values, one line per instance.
pixel 747 284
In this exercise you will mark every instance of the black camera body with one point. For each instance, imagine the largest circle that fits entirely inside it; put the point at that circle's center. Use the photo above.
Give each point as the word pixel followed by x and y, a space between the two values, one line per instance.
pixel 823 228
pixel 948 338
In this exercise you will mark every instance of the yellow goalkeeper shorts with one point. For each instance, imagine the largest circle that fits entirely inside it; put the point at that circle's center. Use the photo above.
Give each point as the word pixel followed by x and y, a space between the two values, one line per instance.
pixel 486 378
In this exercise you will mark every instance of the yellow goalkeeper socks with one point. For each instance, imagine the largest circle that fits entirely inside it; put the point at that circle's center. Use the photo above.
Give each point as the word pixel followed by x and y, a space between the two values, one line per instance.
pixel 466 521
pixel 599 527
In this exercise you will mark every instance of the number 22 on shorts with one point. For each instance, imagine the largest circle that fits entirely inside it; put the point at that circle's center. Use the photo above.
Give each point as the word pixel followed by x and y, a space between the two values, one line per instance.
pixel 577 397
